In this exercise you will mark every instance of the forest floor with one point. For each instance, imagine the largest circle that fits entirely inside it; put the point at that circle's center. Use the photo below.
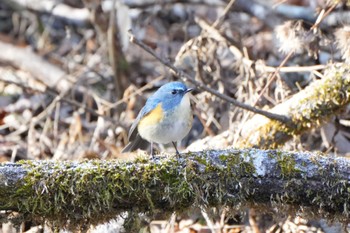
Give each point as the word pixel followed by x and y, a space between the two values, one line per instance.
pixel 72 82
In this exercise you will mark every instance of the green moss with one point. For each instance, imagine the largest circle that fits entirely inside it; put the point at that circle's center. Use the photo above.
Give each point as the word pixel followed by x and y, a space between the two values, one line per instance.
pixel 326 99
pixel 287 164
pixel 72 194
pixel 271 135
pixel 98 190
pixel 320 102
pixel 212 178
pixel 238 163
pixel 201 160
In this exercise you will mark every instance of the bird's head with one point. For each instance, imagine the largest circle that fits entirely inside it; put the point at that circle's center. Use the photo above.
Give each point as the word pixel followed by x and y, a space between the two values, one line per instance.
pixel 171 94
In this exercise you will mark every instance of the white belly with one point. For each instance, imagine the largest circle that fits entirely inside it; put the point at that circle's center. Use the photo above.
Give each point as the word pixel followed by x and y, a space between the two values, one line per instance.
pixel 174 127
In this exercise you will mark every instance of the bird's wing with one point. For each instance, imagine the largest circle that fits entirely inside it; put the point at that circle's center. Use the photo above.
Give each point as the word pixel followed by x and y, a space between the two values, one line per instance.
pixel 149 106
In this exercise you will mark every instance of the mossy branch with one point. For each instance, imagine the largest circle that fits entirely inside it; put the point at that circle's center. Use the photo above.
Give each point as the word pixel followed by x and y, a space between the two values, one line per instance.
pixel 71 194
pixel 308 109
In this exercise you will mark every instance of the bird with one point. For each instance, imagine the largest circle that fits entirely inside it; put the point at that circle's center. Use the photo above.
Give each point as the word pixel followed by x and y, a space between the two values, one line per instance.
pixel 166 117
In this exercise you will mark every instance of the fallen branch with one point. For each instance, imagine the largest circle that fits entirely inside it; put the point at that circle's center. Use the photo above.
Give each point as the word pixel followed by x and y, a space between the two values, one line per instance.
pixel 71 194
pixel 71 15
pixel 308 109
pixel 25 59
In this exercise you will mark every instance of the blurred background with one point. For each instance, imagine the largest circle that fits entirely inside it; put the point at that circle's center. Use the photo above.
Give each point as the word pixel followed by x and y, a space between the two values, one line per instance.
pixel 71 83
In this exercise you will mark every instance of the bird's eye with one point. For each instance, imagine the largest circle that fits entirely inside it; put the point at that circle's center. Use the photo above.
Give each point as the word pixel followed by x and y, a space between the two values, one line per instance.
pixel 174 92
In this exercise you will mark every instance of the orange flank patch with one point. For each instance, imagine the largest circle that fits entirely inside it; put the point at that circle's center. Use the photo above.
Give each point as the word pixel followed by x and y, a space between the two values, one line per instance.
pixel 153 117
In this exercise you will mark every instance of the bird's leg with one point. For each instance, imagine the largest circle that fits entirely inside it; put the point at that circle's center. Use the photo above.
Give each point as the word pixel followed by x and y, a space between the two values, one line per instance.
pixel 177 152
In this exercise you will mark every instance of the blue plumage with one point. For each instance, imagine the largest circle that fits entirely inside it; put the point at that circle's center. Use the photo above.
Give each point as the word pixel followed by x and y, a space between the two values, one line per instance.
pixel 170 95
pixel 175 115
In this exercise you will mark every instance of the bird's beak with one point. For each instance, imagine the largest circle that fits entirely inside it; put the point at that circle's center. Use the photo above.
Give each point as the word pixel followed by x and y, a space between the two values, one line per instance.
pixel 189 90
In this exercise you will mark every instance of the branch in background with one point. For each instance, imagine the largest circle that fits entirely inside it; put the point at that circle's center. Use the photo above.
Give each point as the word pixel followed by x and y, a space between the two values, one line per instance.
pixel 271 16
pixel 75 16
pixel 72 194
pixel 108 33
pixel 116 54
pixel 25 59
pixel 295 12
pixel 199 85
pixel 260 11
pixel 336 18
pixel 152 3
pixel 259 66
pixel 62 97
pixel 308 109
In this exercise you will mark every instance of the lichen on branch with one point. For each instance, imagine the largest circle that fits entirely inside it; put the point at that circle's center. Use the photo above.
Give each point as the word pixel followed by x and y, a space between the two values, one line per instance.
pixel 307 109
pixel 76 194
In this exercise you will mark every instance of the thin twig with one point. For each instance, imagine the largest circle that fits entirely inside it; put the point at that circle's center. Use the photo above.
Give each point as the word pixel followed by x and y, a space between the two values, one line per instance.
pixel 215 34
pixel 186 77
pixel 294 69
pixel 321 16
pixel 273 76
pixel 223 15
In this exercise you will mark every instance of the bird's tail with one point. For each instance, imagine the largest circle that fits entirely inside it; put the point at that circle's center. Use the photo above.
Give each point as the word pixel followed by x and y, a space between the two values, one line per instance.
pixel 137 143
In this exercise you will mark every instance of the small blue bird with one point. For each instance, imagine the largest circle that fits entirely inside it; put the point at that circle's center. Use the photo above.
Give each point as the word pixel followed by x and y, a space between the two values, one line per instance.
pixel 166 117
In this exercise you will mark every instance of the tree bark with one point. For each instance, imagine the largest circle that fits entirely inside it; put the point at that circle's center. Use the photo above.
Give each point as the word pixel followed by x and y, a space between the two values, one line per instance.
pixel 72 194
